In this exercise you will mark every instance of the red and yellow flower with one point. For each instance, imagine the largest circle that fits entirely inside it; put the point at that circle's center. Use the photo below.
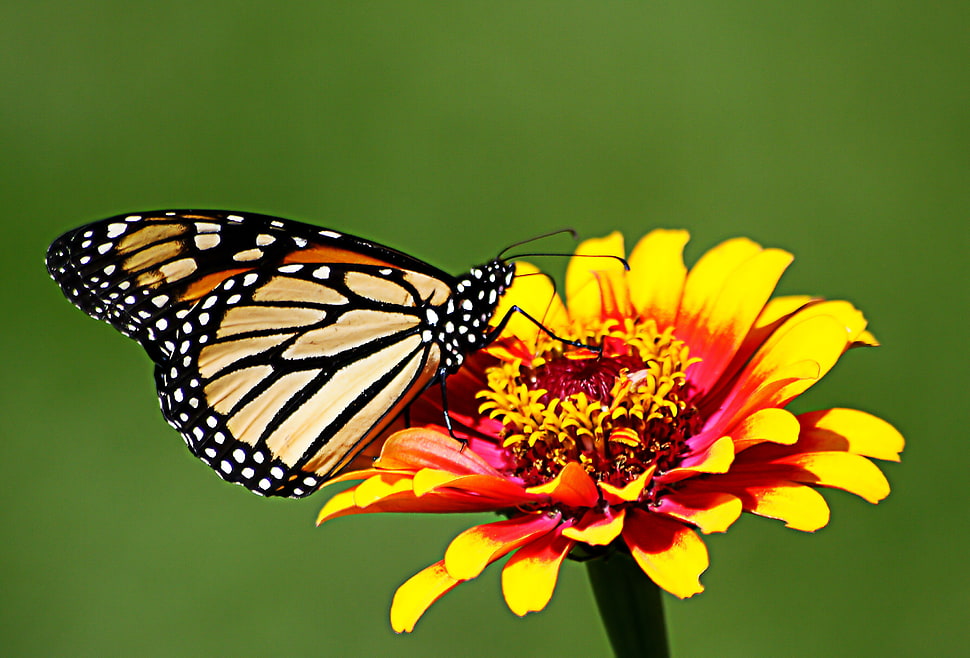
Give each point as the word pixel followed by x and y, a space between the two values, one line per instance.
pixel 676 426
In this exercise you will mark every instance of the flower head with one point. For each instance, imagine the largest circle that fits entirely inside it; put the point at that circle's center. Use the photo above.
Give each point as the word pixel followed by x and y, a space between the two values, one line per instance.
pixel 674 423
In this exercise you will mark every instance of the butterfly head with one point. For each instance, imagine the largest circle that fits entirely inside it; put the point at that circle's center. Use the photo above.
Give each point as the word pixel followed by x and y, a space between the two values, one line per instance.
pixel 464 325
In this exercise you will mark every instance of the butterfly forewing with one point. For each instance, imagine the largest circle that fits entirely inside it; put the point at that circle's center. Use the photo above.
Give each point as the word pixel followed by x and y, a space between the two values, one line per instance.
pixel 281 348
pixel 136 271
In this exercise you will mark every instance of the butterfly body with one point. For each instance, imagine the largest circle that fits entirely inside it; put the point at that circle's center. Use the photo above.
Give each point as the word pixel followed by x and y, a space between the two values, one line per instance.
pixel 281 349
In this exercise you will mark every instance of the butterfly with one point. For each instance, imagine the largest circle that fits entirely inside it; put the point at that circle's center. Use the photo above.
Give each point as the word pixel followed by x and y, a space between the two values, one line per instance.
pixel 281 349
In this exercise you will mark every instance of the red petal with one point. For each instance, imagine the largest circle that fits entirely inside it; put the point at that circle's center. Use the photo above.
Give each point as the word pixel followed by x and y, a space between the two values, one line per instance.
pixel 489 486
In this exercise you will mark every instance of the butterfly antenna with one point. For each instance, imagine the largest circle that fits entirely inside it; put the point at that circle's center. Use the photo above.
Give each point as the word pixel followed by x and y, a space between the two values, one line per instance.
pixel 626 264
pixel 501 254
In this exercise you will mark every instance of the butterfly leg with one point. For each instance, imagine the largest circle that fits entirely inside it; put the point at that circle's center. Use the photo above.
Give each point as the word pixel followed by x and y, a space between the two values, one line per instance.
pixel 442 379
pixel 494 333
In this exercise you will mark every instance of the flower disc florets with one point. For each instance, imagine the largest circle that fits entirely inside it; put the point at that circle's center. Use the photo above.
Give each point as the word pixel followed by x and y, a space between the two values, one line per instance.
pixel 618 412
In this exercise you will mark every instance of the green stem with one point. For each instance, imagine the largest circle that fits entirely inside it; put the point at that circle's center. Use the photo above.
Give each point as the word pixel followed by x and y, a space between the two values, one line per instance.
pixel 630 606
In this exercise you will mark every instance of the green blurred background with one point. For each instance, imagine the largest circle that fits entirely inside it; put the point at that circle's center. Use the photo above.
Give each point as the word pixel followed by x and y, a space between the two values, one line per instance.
pixel 837 130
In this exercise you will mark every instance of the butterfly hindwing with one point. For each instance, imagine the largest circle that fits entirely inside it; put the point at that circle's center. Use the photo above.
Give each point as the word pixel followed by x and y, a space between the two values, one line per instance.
pixel 279 378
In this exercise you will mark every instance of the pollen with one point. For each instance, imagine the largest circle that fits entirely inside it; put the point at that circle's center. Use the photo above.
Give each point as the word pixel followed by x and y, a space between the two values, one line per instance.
pixel 618 412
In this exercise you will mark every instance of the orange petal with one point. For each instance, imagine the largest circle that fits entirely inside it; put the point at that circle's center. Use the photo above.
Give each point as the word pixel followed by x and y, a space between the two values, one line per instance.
pixel 841 470
pixel 529 577
pixel 572 486
pixel 474 549
pixel 597 286
pixel 657 275
pixel 501 490
pixel 597 528
pixel 417 448
pixel 709 511
pixel 716 332
pixel 852 431
pixel 533 292
pixel 668 551
pixel 765 425
pixel 406 502
pixel 415 596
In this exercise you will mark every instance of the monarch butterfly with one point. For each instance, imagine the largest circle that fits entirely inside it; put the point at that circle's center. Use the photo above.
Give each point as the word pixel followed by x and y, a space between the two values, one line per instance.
pixel 281 349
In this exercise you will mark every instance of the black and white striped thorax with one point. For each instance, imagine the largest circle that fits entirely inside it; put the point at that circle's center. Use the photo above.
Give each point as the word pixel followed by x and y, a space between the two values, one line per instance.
pixel 461 326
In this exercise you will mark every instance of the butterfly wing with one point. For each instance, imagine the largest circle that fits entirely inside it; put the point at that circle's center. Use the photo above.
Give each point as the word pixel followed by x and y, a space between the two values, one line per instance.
pixel 142 272
pixel 281 349
pixel 280 378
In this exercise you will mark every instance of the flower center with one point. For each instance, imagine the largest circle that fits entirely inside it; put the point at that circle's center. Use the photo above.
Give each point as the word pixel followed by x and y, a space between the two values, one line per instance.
pixel 617 413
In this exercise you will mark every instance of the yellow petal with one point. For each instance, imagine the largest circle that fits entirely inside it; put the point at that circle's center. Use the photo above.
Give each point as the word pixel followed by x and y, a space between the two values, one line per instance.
pixel 474 549
pixel 533 292
pixel 717 330
pixel 415 596
pixel 842 470
pixel 853 431
pixel 716 459
pixel 818 342
pixel 669 552
pixel 657 275
pixel 340 504
pixel 766 425
pixel 630 491
pixel 596 528
pixel 843 312
pixel 589 279
pixel 707 276
pixel 381 486
pixel 779 308
pixel 866 339
pixel 800 507
pixel 529 577
pixel 709 511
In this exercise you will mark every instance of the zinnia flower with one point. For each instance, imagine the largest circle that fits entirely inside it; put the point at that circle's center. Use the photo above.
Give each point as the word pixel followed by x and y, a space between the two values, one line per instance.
pixel 675 427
